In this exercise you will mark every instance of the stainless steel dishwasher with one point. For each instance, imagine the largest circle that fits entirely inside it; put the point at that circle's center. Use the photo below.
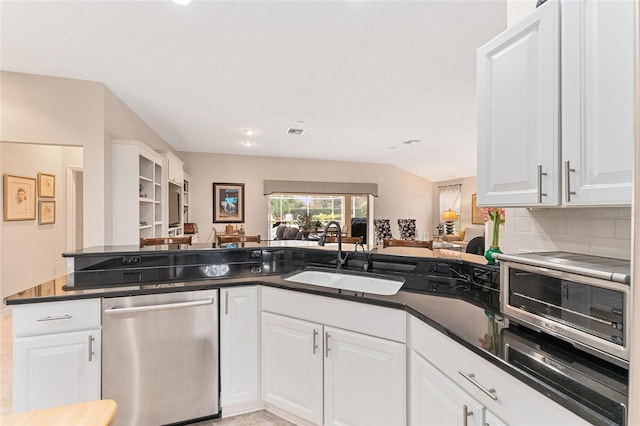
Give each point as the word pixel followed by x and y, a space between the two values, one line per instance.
pixel 160 356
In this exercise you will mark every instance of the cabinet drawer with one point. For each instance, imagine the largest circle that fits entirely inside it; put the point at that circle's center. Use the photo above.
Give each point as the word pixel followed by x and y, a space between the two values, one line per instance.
pixel 516 402
pixel 55 317
pixel 361 317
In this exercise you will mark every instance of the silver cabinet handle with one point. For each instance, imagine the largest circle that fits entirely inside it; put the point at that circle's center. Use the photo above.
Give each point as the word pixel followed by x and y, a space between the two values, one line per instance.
pixel 491 393
pixel 326 345
pixel 226 303
pixel 115 311
pixel 568 170
pixel 61 317
pixel 540 193
pixel 465 415
pixel 315 341
pixel 91 353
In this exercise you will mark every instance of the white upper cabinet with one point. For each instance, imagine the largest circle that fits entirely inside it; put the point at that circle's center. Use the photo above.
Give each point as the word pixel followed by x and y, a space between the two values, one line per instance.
pixel 555 111
pixel 518 93
pixel 597 101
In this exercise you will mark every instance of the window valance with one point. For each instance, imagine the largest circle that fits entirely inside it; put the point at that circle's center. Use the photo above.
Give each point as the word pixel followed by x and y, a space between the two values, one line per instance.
pixel 304 187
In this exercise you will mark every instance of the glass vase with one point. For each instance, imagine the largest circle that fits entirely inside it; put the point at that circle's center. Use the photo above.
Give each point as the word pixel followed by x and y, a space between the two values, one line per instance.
pixel 489 254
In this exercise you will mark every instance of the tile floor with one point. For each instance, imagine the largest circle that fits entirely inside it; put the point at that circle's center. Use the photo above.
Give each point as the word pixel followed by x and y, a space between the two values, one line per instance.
pixel 262 418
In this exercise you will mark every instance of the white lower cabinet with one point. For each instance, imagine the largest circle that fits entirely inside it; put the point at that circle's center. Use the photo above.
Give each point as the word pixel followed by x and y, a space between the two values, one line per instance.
pixel 239 353
pixel 327 375
pixel 56 370
pixel 507 399
pixel 52 363
pixel 437 400
pixel 292 352
pixel 364 379
pixel 491 419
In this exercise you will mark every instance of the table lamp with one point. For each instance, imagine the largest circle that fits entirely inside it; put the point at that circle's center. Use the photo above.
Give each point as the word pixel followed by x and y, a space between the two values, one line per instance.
pixel 449 216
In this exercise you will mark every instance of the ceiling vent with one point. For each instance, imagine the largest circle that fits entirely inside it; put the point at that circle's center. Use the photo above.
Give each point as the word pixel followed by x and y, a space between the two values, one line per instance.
pixel 292 131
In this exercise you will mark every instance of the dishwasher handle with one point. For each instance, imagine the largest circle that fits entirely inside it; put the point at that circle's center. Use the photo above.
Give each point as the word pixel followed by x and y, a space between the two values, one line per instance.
pixel 147 308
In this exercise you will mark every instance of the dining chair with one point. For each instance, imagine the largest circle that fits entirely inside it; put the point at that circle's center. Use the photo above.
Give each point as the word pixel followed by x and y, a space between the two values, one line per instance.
pixel 164 241
pixel 223 239
pixel 390 242
pixel 382 229
pixel 407 228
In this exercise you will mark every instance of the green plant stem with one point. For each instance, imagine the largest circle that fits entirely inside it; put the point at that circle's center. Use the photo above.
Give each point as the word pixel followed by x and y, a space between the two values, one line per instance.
pixel 495 240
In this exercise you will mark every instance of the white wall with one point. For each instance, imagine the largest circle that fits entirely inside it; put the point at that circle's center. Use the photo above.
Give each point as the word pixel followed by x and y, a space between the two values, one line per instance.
pixel 518 9
pixel 401 194
pixel 53 112
pixel 60 111
pixel 31 253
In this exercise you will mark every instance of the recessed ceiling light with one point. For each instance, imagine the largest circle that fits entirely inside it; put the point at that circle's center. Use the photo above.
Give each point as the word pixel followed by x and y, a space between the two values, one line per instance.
pixel 182 2
pixel 248 132
pixel 297 132
pixel 411 142
pixel 300 122
pixel 247 143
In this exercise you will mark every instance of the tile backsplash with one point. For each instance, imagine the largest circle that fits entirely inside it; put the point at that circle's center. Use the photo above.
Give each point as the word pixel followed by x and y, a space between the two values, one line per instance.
pixel 602 231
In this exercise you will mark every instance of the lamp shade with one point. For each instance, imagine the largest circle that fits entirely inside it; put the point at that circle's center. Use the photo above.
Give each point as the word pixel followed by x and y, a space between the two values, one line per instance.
pixel 449 215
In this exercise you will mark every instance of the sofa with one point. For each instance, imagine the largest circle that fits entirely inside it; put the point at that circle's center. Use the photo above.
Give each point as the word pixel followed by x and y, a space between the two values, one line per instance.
pixel 466 235
pixel 284 232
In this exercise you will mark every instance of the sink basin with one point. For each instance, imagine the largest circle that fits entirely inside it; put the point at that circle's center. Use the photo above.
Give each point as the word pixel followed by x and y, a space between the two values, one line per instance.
pixel 348 280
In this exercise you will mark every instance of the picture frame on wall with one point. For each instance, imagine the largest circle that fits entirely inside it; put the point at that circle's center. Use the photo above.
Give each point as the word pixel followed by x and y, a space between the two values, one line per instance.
pixel 228 202
pixel 46 212
pixel 476 212
pixel 46 185
pixel 19 200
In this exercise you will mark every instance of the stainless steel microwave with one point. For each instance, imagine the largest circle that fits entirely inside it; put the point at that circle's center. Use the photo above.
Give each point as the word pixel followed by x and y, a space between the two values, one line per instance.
pixel 581 299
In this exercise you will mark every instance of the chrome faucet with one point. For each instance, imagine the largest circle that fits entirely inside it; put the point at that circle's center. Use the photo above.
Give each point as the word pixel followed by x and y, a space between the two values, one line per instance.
pixel 365 256
pixel 323 238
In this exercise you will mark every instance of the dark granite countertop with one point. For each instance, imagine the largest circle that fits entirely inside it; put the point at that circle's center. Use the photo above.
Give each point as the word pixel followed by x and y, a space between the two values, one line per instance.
pixel 458 314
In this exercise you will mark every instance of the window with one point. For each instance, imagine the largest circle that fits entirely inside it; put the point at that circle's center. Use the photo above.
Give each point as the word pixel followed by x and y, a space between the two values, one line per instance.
pixel 450 200
pixel 285 208
pixel 359 206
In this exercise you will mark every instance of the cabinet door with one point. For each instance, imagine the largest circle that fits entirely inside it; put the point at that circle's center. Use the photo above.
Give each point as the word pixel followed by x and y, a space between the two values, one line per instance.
pixel 518 98
pixel 364 379
pixel 437 400
pixel 239 345
pixel 56 369
pixel 491 419
pixel 597 101
pixel 292 365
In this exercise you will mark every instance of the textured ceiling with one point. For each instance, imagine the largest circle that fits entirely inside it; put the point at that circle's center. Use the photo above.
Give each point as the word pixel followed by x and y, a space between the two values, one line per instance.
pixel 363 76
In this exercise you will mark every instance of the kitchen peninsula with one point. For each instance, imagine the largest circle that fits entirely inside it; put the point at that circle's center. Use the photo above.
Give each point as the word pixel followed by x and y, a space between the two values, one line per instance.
pixel 446 318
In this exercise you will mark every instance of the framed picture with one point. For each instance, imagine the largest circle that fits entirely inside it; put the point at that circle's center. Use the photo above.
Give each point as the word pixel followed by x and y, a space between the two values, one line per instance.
pixel 46 185
pixel 228 202
pixel 476 213
pixel 46 212
pixel 19 198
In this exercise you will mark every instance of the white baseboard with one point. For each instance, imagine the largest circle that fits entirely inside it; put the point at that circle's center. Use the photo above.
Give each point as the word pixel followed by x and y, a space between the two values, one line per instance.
pixel 242 408
pixel 288 416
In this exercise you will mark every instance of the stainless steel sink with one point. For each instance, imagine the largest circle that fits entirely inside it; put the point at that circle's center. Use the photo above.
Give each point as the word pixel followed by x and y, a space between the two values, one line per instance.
pixel 348 280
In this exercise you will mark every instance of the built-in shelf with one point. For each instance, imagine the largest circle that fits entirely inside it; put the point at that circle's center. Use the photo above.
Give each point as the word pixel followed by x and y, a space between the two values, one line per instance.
pixel 136 180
